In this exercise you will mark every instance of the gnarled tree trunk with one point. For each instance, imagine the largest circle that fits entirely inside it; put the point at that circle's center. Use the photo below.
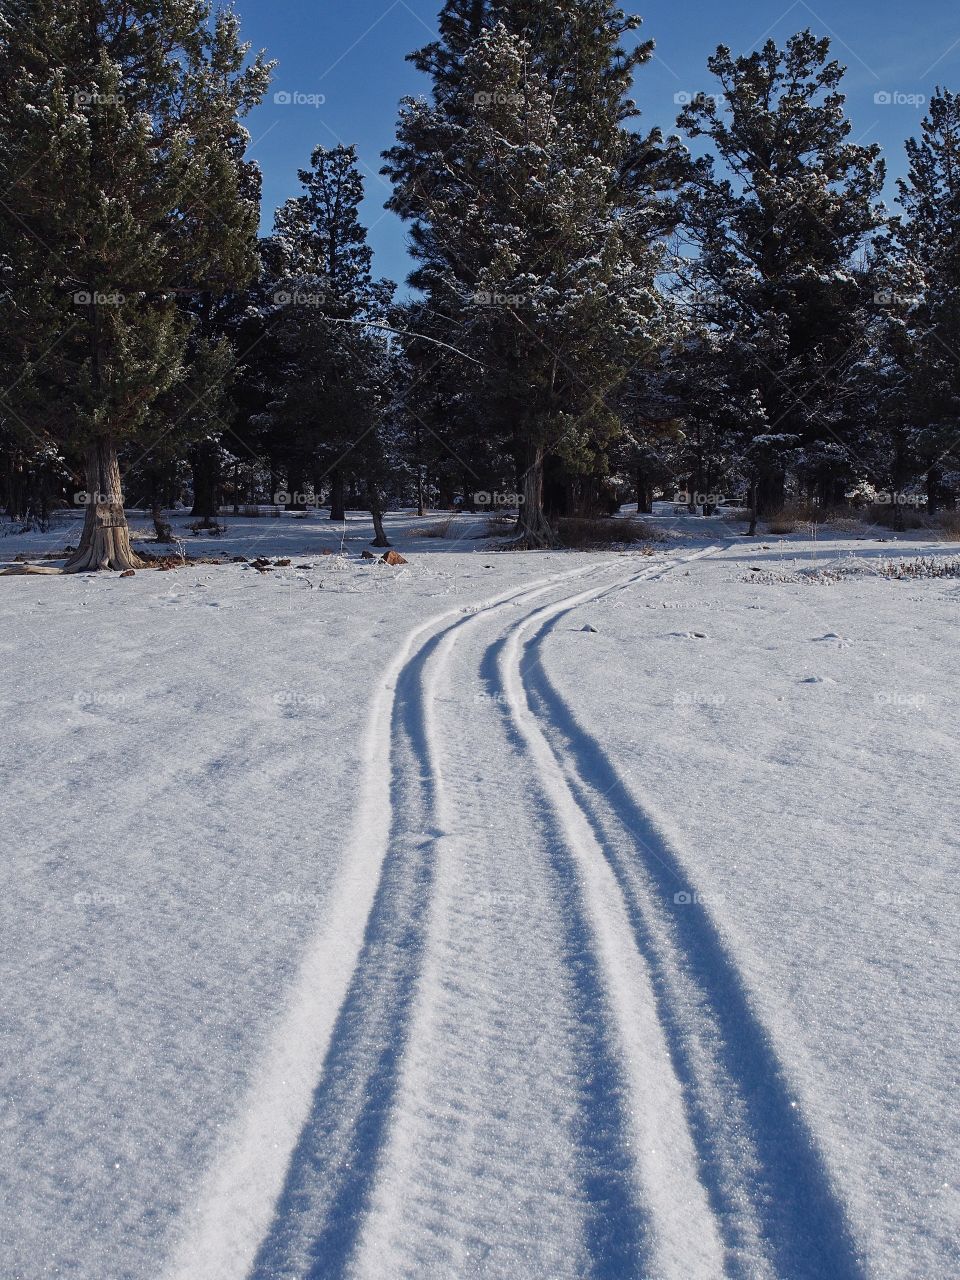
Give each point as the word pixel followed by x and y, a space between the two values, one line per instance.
pixel 533 527
pixel 105 542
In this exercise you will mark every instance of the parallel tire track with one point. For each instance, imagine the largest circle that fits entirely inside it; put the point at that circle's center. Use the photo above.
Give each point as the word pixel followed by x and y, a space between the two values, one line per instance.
pixel 230 1231
pixel 693 1160
pixel 772 1201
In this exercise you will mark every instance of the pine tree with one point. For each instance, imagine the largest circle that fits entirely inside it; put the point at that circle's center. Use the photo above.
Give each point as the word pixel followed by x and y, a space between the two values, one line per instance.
pixel 920 296
pixel 330 412
pixel 778 229
pixel 126 189
pixel 527 240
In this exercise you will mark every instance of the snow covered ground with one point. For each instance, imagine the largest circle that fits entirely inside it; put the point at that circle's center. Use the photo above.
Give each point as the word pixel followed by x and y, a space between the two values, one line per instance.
pixel 501 915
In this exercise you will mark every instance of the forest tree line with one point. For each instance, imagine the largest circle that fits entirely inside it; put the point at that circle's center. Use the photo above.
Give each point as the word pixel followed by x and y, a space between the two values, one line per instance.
pixel 598 313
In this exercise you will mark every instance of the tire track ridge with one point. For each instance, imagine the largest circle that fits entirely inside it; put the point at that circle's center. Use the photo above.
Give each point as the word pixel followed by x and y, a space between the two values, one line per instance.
pixel 802 1221
pixel 680 1239
pixel 224 1234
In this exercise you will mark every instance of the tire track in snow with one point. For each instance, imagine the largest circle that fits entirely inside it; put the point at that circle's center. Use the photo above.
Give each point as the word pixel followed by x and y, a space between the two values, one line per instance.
pixel 233 1225
pixel 628 1051
pixel 771 1197
pixel 506 1154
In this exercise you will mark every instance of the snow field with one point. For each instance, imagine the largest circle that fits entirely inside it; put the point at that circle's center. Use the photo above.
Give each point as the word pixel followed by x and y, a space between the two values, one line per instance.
pixel 507 948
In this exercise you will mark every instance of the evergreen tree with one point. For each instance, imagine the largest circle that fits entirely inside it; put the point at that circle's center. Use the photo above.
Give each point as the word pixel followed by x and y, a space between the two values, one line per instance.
pixel 920 297
pixel 778 227
pixel 527 240
pixel 329 414
pixel 126 189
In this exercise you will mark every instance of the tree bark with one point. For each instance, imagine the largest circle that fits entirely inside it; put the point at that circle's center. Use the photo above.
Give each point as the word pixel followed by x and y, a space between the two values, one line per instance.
pixel 105 542
pixel 533 527
pixel 161 525
pixel 296 486
pixel 754 510
pixel 421 496
pixel 375 506
pixel 934 477
pixel 338 509
pixel 16 489
pixel 644 498
pixel 205 462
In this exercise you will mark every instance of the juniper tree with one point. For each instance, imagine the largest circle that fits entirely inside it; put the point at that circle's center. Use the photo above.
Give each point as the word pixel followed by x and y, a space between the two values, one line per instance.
pixel 526 239
pixel 778 216
pixel 126 188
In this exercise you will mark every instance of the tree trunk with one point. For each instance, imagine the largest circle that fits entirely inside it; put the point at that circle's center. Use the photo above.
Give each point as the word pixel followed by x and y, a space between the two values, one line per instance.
pixel 754 510
pixel 469 495
pixel 296 487
pixel 205 462
pixel 338 510
pixel 421 496
pixel 644 494
pixel 933 491
pixel 161 525
pixel 16 490
pixel 771 492
pixel 532 525
pixel 375 507
pixel 105 543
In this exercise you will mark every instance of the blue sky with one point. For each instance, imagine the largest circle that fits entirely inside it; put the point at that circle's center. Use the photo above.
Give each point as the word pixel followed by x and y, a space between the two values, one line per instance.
pixel 342 62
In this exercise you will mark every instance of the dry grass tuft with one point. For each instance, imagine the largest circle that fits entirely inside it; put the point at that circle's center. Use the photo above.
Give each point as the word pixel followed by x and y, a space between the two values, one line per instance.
pixel 578 534
pixel 439 530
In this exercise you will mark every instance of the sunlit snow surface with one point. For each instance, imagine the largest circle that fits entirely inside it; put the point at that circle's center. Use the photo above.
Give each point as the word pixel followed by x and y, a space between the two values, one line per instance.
pixel 388 922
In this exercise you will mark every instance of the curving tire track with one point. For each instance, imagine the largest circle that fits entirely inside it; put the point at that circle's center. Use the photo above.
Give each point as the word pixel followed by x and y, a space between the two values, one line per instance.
pixel 771 1197
pixel 234 1228
pixel 646 1129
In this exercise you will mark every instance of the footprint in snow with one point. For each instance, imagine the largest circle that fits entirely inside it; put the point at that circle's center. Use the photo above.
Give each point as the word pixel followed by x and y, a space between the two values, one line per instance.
pixel 690 635
pixel 818 680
